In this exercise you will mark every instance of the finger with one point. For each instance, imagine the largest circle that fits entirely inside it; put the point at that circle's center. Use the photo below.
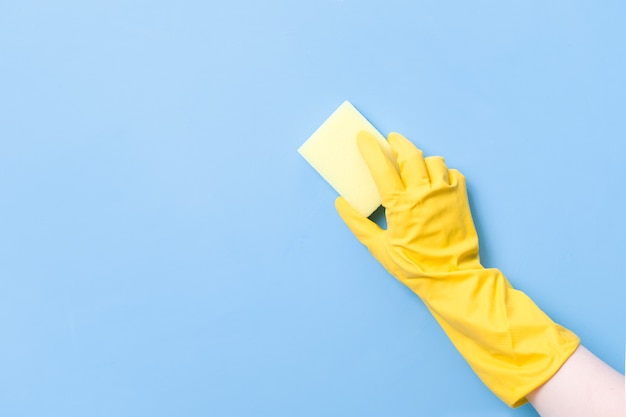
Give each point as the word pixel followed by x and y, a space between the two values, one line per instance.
pixel 410 159
pixel 365 230
pixel 383 172
pixel 455 177
pixel 437 170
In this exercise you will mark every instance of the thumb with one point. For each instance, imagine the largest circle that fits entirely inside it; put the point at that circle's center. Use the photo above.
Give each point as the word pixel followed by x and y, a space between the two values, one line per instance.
pixel 365 230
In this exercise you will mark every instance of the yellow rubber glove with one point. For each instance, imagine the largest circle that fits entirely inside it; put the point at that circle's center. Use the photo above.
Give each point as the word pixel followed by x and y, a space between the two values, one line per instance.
pixel 431 246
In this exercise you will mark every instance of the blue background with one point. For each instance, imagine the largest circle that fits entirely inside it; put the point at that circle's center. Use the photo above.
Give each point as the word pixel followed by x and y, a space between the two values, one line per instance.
pixel 165 251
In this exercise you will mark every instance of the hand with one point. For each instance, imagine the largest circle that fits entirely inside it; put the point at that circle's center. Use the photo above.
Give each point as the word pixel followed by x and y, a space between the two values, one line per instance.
pixel 429 224
pixel 431 246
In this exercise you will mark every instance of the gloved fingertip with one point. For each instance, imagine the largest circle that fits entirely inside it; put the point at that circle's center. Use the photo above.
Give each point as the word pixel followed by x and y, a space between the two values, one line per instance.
pixel 365 140
pixel 394 137
pixel 339 201
pixel 364 135
pixel 344 208
pixel 362 227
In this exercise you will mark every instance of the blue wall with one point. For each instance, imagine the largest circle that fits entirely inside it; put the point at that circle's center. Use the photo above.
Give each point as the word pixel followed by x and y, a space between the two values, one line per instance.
pixel 165 251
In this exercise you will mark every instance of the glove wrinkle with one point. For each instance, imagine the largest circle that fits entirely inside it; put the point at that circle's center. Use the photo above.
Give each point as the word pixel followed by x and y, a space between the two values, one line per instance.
pixel 431 246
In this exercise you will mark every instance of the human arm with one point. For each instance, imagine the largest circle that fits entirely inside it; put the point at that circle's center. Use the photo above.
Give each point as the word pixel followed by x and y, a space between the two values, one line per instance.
pixel 431 246
pixel 584 386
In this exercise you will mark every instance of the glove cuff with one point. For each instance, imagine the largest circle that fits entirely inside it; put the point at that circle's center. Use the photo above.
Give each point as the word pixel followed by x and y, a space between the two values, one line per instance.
pixel 511 344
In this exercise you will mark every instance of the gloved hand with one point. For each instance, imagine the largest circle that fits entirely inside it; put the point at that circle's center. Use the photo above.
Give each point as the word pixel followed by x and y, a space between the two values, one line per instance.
pixel 431 246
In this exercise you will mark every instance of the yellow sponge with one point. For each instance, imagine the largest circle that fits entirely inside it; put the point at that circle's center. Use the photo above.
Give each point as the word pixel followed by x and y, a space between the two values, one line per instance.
pixel 332 150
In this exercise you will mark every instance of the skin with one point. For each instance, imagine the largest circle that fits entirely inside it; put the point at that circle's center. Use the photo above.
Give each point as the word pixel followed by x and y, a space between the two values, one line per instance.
pixel 585 386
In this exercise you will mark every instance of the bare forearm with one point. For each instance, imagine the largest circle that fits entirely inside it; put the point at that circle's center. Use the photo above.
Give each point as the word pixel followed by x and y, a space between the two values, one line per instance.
pixel 584 386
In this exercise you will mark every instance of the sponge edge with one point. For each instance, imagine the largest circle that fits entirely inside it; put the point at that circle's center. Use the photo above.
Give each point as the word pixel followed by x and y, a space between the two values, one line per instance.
pixel 332 150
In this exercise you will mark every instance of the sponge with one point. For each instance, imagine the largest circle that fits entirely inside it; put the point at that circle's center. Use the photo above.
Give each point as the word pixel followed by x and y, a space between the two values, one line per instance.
pixel 332 150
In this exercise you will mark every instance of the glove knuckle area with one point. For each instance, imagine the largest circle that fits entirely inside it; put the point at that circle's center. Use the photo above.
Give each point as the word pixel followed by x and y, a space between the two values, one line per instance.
pixel 456 178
